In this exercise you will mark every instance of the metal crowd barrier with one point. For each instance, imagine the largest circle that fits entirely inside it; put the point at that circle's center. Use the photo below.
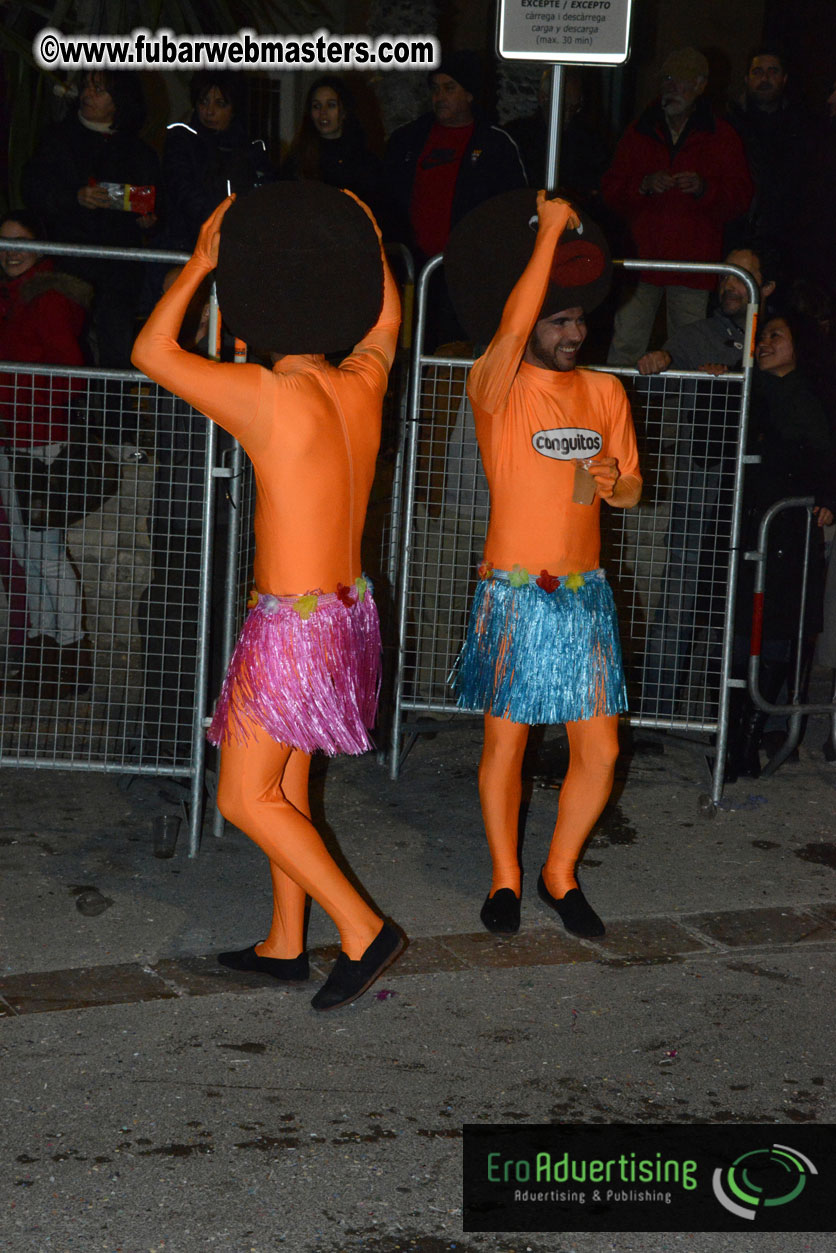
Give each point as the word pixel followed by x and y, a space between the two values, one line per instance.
pixel 125 562
pixel 104 571
pixel 797 709
pixel 104 555
pixel 672 561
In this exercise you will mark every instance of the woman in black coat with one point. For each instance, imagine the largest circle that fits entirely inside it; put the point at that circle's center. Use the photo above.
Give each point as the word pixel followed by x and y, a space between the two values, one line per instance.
pixel 209 156
pixel 790 431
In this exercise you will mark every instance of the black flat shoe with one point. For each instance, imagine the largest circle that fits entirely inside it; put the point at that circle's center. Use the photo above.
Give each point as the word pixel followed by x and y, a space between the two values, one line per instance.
pixel 575 911
pixel 286 970
pixel 349 979
pixel 501 912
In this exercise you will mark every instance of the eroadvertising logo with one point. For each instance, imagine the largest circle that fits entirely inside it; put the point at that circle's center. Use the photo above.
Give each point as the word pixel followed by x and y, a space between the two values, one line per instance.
pixel 648 1177
pixel 762 1177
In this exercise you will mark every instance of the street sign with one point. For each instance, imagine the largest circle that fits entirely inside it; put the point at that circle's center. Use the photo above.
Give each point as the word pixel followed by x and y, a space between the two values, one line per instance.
pixel 579 32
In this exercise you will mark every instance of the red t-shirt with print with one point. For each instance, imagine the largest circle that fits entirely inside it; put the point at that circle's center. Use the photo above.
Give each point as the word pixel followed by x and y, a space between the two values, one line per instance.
pixel 435 185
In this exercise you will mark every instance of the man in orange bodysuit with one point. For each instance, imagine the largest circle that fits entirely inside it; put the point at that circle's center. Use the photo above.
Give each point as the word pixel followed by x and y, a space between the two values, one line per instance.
pixel 542 643
pixel 306 669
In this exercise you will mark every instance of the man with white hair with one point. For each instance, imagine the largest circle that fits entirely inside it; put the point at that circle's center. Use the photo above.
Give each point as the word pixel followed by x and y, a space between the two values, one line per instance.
pixel 678 176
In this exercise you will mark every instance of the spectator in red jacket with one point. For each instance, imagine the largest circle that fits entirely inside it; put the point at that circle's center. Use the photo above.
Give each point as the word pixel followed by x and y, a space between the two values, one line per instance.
pixel 679 174
pixel 42 318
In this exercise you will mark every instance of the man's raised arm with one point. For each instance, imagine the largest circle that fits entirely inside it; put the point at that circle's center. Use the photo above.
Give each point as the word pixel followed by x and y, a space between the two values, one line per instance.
pixel 492 375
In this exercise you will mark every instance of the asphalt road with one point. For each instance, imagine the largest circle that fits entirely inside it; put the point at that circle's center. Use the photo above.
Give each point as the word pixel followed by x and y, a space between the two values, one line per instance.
pixel 156 1102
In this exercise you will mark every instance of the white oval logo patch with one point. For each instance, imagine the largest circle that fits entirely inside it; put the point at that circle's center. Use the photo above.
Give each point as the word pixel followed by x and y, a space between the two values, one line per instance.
pixel 565 442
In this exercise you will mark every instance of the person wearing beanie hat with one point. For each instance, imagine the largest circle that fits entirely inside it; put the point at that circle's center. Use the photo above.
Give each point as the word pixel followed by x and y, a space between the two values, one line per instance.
pixel 679 175
pixel 542 641
pixel 305 672
pixel 441 166
pixel 465 69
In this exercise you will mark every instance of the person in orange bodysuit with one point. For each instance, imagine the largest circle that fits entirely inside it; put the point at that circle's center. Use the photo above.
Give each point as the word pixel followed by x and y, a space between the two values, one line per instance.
pixel 306 668
pixel 542 643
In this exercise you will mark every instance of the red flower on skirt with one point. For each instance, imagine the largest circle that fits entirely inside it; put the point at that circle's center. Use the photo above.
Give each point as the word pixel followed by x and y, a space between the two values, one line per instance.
pixel 548 582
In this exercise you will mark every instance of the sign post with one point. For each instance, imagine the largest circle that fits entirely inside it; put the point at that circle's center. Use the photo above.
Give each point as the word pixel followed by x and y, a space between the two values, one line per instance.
pixel 555 130
pixel 563 32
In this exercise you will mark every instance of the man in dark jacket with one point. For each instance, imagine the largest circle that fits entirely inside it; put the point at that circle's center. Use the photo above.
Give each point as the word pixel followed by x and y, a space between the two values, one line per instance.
pixel 776 136
pixel 678 176
pixel 444 164
pixel 448 161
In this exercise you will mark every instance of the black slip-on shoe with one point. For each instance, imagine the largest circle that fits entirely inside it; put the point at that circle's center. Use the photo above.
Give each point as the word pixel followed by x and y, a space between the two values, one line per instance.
pixel 349 979
pixel 575 911
pixel 286 970
pixel 501 912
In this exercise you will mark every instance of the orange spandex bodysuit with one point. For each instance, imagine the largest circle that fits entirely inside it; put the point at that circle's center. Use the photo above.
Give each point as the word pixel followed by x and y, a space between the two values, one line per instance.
pixel 531 422
pixel 312 432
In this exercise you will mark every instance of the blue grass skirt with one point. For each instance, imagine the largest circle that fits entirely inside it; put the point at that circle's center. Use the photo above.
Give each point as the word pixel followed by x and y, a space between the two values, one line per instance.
pixel 534 656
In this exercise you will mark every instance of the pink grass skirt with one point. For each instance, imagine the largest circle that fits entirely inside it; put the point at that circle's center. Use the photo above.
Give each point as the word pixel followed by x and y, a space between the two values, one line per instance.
pixel 310 682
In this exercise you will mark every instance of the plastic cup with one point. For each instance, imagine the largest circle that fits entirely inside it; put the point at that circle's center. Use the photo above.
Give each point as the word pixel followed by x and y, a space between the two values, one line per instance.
pixel 583 489
pixel 166 828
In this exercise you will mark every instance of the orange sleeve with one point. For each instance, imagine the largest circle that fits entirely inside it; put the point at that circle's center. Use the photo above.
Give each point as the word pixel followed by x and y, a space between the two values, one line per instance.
pixel 492 375
pixel 227 393
pixel 374 354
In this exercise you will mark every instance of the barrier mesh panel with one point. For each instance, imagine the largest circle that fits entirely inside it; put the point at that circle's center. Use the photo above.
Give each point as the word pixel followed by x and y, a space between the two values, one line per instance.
pixel 100 558
pixel 669 558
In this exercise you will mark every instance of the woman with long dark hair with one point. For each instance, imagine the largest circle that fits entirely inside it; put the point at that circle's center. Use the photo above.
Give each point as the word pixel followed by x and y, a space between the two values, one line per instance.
pixel 330 146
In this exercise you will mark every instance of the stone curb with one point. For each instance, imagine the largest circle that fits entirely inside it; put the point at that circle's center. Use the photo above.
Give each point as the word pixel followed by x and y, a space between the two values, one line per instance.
pixel 630 942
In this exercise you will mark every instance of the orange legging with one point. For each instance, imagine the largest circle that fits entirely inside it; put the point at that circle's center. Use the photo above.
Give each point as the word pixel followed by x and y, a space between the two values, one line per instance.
pixel 593 750
pixel 263 790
